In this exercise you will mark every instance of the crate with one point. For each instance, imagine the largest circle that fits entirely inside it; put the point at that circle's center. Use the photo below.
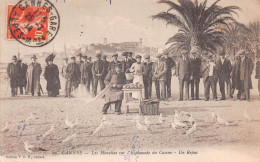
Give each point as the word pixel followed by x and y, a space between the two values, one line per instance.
pixel 149 107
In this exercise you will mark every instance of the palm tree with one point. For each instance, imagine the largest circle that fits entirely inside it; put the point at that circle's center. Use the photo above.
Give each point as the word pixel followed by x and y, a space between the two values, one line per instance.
pixel 198 24
pixel 255 29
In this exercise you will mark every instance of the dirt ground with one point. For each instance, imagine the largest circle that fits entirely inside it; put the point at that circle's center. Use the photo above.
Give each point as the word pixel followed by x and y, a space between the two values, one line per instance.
pixel 244 135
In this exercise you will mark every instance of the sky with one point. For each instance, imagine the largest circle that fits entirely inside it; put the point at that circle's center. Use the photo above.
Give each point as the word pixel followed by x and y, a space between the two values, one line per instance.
pixel 122 21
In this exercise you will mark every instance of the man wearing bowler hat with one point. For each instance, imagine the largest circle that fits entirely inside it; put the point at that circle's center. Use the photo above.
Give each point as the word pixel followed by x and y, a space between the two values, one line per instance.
pixel 195 73
pixel 114 61
pixel 13 75
pixel 116 80
pixel 183 71
pixel 224 69
pixel 244 71
pixel 98 71
pixel 73 76
pixel 33 77
pixel 148 75
pixel 170 63
pixel 159 77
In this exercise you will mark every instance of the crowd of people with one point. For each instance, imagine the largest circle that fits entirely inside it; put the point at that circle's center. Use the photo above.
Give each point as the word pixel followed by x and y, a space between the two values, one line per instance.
pixel 190 67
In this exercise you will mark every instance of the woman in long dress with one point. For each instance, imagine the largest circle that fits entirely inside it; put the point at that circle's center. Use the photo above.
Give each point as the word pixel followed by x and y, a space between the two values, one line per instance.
pixel 138 69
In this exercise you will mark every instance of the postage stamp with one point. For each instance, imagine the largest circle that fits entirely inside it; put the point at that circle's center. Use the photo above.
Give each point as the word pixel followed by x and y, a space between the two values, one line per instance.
pixel 34 23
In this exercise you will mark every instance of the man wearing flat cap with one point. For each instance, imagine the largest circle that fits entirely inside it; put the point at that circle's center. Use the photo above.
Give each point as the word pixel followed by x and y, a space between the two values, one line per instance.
pixel 126 64
pixel 210 76
pixel 106 65
pixel 86 75
pixel 13 75
pixel 244 71
pixel 148 76
pixel 224 69
pixel 115 80
pixel 51 74
pixel 33 77
pixel 170 65
pixel 183 72
pixel 138 69
pixel 159 71
pixel 73 76
pixel 98 71
pixel 114 61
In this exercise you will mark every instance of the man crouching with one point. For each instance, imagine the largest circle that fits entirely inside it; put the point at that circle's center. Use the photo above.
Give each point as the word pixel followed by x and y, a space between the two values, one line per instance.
pixel 116 80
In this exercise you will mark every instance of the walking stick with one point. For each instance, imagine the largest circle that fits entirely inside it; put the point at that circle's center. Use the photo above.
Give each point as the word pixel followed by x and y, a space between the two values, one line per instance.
pixel 7 88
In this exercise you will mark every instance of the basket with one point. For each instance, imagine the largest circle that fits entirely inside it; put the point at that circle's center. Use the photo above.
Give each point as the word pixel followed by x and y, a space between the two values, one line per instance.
pixel 129 76
pixel 149 107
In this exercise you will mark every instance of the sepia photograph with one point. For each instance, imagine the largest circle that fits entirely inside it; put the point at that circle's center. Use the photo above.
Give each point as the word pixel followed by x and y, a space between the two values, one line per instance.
pixel 130 80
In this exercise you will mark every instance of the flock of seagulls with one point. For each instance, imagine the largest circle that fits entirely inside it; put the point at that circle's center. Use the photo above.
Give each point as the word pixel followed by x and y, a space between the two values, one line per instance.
pixel 181 120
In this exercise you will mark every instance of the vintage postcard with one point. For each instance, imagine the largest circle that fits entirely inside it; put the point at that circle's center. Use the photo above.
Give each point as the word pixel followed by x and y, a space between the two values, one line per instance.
pixel 130 80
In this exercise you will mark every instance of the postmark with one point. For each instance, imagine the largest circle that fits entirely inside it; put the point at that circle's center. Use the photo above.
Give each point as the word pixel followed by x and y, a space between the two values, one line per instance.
pixel 34 23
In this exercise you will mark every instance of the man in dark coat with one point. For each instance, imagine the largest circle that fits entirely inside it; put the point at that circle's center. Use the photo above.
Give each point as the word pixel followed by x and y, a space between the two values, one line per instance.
pixel 13 74
pixel 22 70
pixel 210 76
pixel 106 65
pixel 73 76
pixel 116 80
pixel 131 58
pixel 51 75
pixel 195 75
pixel 148 76
pixel 159 77
pixel 33 77
pixel 244 71
pixel 126 63
pixel 224 69
pixel 170 63
pixel 98 71
pixel 233 75
pixel 111 66
pixel 183 71
pixel 257 72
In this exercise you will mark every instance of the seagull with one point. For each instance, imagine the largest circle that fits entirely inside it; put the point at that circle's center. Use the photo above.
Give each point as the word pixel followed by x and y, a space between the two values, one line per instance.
pixel 29 118
pixel 147 121
pixel 179 123
pixel 6 127
pixel 140 126
pixel 174 126
pixel 69 123
pixel 160 119
pixel 222 121
pixel 191 119
pixel 49 131
pixel 191 130
pixel 99 128
pixel 28 147
pixel 69 138
pixel 247 116
pixel 214 117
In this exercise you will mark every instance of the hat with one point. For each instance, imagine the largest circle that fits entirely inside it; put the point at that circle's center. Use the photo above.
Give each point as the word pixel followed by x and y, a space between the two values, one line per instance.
pixel 104 56
pixel 115 55
pixel 98 55
pixel 138 56
pixel 125 53
pixel 73 57
pixel 130 53
pixel 34 57
pixel 241 52
pixel 14 58
pixel 84 57
pixel 147 56
pixel 158 55
pixel 65 58
pixel 50 57
pixel 89 58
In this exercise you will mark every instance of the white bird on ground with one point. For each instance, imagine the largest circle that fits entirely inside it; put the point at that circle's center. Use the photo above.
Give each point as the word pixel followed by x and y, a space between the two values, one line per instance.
pixel 174 126
pixel 29 118
pixel 105 121
pixel 99 128
pixel 222 121
pixel 49 131
pixel 247 116
pixel 191 130
pixel 160 119
pixel 140 126
pixel 6 127
pixel 69 123
pixel 147 121
pixel 180 123
pixel 176 114
pixel 191 118
pixel 214 117
pixel 28 147
pixel 69 138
